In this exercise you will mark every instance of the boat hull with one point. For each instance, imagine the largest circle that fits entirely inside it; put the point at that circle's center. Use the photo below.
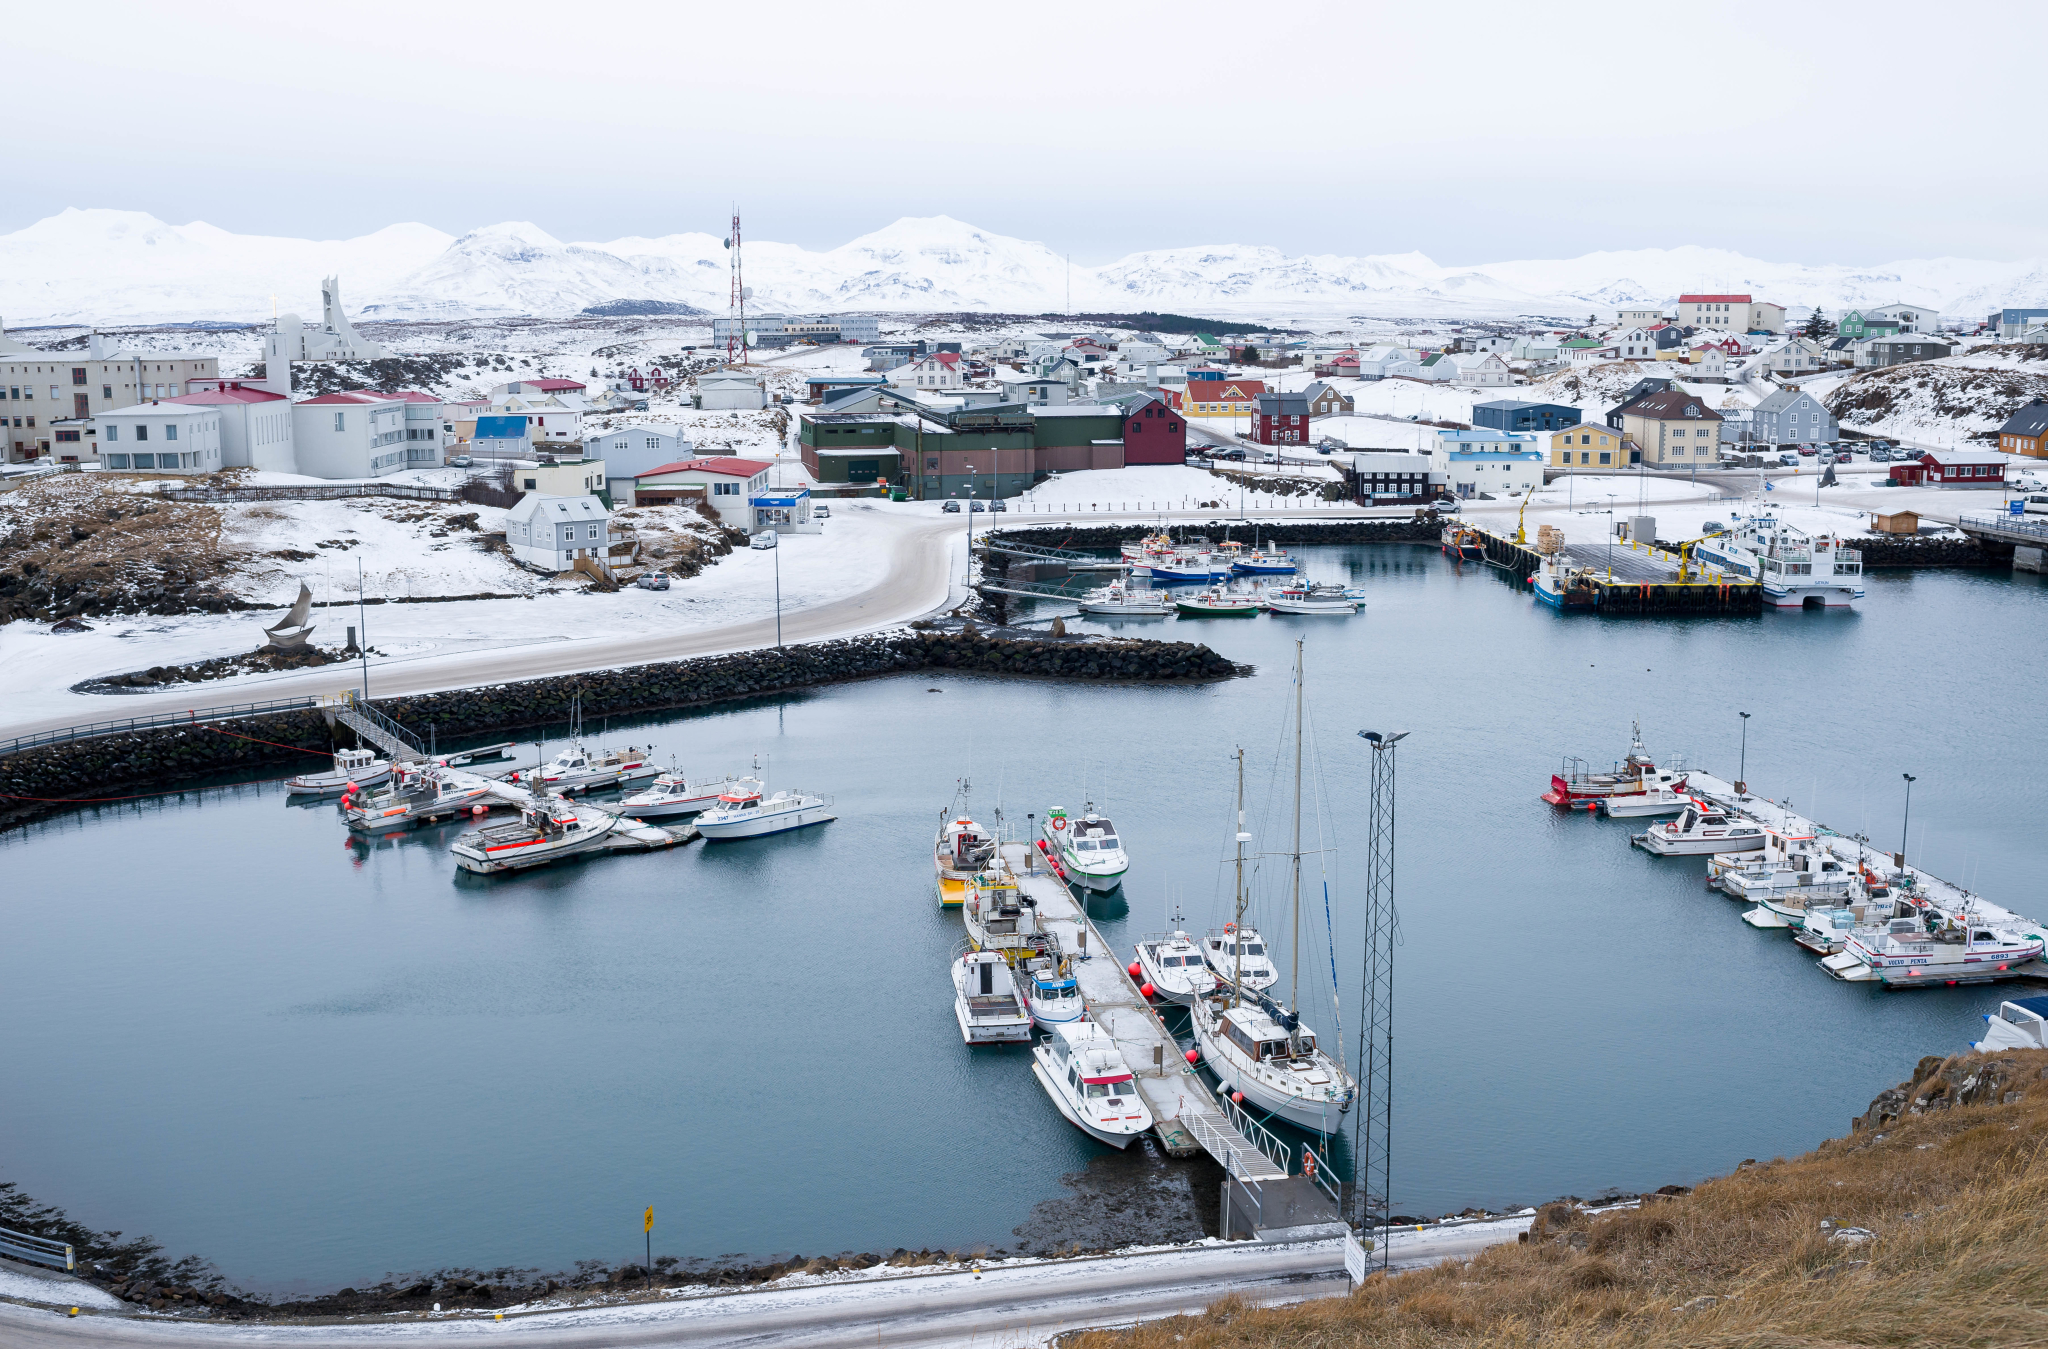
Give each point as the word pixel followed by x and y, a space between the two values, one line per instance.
pixel 1811 597
pixel 1343 608
pixel 1003 1032
pixel 499 861
pixel 1098 882
pixel 1125 610
pixel 333 784
pixel 1695 847
pixel 1116 1139
pixel 1315 1116
pixel 1188 610
pixel 779 823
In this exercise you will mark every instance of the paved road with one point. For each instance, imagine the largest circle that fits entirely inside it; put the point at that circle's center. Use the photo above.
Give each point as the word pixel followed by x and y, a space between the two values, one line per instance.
pixel 1005 1307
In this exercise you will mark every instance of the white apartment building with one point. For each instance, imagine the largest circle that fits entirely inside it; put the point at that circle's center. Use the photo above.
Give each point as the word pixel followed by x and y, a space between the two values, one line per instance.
pixel 48 398
pixel 350 435
pixel 161 438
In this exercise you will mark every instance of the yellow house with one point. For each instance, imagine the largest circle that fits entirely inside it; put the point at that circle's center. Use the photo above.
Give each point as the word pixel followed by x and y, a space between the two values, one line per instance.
pixel 1588 445
pixel 1220 397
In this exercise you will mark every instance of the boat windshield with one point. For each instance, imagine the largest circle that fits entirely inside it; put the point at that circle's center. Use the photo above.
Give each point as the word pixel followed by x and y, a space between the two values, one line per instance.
pixel 1098 1087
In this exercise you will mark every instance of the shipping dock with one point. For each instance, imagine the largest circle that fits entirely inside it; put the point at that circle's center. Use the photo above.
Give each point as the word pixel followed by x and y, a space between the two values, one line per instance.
pixel 1627 580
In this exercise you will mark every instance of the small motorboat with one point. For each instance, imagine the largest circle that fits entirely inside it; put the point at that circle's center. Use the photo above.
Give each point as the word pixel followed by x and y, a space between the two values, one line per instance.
pixel 1662 801
pixel 1090 853
pixel 577 769
pixel 674 794
pixel 986 1001
pixel 1190 564
pixel 2021 1023
pixel 1120 601
pixel 961 849
pixel 1173 965
pixel 1698 830
pixel 1826 931
pixel 415 792
pixel 363 767
pixel 1084 1072
pixel 1217 602
pixel 1939 949
pixel 745 813
pixel 1260 562
pixel 1238 955
pixel 546 831
pixel 1311 599
pixel 1052 992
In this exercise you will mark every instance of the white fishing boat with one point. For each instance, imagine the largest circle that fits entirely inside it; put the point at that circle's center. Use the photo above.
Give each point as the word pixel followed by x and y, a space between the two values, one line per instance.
pixel 673 793
pixel 1794 882
pixel 1173 964
pixel 1051 990
pixel 1120 601
pixel 1934 948
pixel 1661 801
pixel 1000 917
pixel 1320 598
pixel 1257 1048
pixel 745 813
pixel 2021 1023
pixel 546 831
pixel 577 769
pixel 1218 602
pixel 415 792
pixel 1237 955
pixel 1091 855
pixel 1825 931
pixel 961 849
pixel 1190 564
pixel 363 767
pixel 1797 570
pixel 1084 1072
pixel 1699 830
pixel 986 1001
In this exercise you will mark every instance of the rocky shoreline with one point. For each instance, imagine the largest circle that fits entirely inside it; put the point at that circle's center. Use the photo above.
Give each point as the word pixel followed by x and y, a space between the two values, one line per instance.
pixel 46 779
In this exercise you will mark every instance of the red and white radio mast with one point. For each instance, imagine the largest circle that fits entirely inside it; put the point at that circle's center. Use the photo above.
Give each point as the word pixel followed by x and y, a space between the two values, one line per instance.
pixel 736 335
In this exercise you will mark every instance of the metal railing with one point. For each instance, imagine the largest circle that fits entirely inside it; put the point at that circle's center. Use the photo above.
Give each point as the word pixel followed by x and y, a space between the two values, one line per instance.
pixel 1228 1146
pixel 364 719
pixel 2036 528
pixel 1263 1138
pixel 190 717
pixel 37 1250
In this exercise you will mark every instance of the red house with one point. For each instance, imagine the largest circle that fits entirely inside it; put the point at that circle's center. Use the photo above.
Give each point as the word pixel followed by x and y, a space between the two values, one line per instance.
pixel 1953 468
pixel 1280 419
pixel 1343 363
pixel 1153 432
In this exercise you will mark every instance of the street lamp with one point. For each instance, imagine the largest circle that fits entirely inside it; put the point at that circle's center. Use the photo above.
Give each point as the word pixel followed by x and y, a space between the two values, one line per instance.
pixel 1906 823
pixel 1742 773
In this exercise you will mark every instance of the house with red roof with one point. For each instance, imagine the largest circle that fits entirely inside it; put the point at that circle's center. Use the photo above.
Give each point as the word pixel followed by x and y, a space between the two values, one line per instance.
pixel 726 483
pixel 255 424
pixel 938 370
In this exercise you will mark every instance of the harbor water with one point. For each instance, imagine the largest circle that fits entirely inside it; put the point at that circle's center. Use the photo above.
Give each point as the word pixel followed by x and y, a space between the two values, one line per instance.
pixel 315 1060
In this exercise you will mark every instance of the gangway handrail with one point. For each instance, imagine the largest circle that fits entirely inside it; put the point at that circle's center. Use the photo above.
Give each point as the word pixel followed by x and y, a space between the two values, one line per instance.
pixel 37 1250
pixel 360 715
pixel 1263 1138
pixel 193 716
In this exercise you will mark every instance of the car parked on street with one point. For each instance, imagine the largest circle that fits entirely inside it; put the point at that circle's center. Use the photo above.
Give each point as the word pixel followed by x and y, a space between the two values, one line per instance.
pixel 820 511
pixel 951 508
pixel 461 461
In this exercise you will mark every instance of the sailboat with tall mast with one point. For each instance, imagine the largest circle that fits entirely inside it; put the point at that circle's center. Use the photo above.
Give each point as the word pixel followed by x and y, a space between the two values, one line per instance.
pixel 1257 1048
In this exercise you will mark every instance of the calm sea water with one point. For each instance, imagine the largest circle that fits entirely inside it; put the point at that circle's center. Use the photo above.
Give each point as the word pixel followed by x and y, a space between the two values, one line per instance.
pixel 316 1061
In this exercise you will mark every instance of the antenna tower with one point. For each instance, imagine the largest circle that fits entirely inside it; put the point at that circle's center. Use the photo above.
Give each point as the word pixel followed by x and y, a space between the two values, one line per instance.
pixel 1372 1130
pixel 736 338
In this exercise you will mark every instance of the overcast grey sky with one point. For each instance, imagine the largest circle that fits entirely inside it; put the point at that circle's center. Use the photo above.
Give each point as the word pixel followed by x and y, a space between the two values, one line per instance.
pixel 1472 132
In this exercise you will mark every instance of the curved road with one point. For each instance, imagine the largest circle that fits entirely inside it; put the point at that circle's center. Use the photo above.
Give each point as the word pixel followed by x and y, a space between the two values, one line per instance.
pixel 1004 1307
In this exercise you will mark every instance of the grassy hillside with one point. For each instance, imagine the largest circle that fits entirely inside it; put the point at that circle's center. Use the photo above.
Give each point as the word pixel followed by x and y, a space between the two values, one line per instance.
pixel 1946 1173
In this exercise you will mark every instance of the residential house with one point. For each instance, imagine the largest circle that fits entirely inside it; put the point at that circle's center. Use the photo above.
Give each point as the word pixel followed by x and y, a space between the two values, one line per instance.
pixel 1909 318
pixel 1280 419
pixel 2026 431
pixel 1437 368
pixel 1585 351
pixel 500 438
pixel 1495 463
pixel 635 450
pixel 1765 317
pixel 731 389
pixel 1791 416
pixel 1490 343
pixel 539 388
pixel 1481 368
pixel 1590 445
pixel 1394 477
pixel 727 483
pixel 1858 324
pixel 1387 363
pixel 887 356
pixel 1034 389
pixel 1640 389
pixel 552 532
pixel 1842 350
pixel 1953 468
pixel 1635 344
pixel 1903 349
pixel 1709 360
pixel 1510 415
pixel 1325 401
pixel 1674 429
pixel 1639 318
pixel 1153 432
pixel 161 438
pixel 1343 363
pixel 1669 337
pixel 1795 356
pixel 1221 397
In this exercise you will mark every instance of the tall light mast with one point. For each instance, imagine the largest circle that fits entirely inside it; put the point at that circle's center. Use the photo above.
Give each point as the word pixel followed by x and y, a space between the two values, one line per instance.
pixel 736 336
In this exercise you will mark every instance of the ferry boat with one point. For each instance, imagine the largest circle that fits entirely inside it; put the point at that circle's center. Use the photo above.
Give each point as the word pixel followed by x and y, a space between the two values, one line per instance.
pixel 673 793
pixel 577 769
pixel 1091 855
pixel 1311 599
pixel 1463 541
pixel 1052 992
pixel 986 1001
pixel 1173 964
pixel 1700 830
pixel 1577 785
pixel 363 767
pixel 546 831
pixel 1797 570
pixel 1120 601
pixel 1084 1073
pixel 1217 602
pixel 2021 1023
pixel 961 849
pixel 745 813
pixel 415 792
pixel 1938 948
pixel 1662 801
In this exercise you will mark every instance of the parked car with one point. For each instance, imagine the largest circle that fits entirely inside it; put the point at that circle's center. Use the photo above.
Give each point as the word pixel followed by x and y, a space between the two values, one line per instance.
pixel 765 539
pixel 653 580
pixel 999 505
pixel 821 511
pixel 2028 480
pixel 462 461
pixel 951 508
pixel 1789 459
pixel 975 507
pixel 1880 455
pixel 1807 451
pixel 1228 454
pixel 1844 457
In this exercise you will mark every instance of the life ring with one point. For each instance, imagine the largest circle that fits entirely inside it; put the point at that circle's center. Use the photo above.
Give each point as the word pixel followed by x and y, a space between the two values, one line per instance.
pixel 1308 1164
pixel 1230 927
pixel 1058 824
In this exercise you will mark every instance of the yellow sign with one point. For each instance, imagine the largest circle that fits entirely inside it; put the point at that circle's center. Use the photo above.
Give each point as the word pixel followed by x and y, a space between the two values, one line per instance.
pixel 650 1221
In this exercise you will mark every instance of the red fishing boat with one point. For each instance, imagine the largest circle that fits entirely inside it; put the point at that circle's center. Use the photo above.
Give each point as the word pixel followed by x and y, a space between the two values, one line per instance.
pixel 1576 785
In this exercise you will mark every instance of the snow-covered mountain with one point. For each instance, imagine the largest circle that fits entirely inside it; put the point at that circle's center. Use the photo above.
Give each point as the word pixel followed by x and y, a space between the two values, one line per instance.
pixel 121 267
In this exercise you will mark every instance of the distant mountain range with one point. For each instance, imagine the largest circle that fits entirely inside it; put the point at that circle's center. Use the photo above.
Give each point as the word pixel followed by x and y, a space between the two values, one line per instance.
pixel 126 267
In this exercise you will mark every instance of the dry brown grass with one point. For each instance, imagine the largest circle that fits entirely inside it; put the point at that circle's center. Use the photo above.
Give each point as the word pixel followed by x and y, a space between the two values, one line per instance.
pixel 1958 1200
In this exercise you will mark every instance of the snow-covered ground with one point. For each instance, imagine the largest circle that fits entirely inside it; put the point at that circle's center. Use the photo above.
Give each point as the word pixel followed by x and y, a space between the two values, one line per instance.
pixel 1163 487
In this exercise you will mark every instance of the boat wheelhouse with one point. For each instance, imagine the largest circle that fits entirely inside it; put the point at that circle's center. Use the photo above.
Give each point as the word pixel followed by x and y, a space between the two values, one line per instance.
pixel 986 1001
pixel 745 813
pixel 363 767
pixel 1173 964
pixel 1577 785
pixel 1237 955
pixel 1085 1074
pixel 1263 1051
pixel 961 849
pixel 1700 830
pixel 1090 853
pixel 673 793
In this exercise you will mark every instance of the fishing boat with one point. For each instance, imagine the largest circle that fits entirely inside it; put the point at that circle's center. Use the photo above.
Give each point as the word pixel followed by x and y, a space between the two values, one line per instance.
pixel 1216 602
pixel 986 1001
pixel 1173 965
pixel 1236 953
pixel 1800 878
pixel 2021 1023
pixel 546 831
pixel 1797 570
pixel 674 793
pixel 1091 855
pixel 1662 801
pixel 1699 830
pixel 1120 601
pixel 1575 785
pixel 1463 541
pixel 1264 562
pixel 1051 990
pixel 999 917
pixel 1187 563
pixel 961 849
pixel 1826 931
pixel 745 813
pixel 577 769
pixel 1256 1047
pixel 1564 586
pixel 363 767
pixel 1934 948
pixel 1084 1072
pixel 1321 598
pixel 415 792
pixel 1147 548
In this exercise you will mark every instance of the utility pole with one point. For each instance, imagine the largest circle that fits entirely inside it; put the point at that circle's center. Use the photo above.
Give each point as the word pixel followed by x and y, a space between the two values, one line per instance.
pixel 1907 823
pixel 1372 1129
pixel 1742 773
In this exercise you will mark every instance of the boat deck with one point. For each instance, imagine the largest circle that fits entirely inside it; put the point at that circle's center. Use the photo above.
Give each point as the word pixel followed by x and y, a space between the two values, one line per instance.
pixel 1181 1103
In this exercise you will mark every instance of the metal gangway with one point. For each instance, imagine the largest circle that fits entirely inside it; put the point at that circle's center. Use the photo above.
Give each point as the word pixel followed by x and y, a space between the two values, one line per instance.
pixel 366 721
pixel 1071 558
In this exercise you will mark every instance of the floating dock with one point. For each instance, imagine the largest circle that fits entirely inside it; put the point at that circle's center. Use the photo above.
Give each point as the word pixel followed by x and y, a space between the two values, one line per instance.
pixel 1267 1196
pixel 1632 580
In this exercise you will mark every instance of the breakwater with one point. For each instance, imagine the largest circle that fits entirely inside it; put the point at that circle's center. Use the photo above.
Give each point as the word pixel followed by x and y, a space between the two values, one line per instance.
pixel 1937 552
pixel 44 780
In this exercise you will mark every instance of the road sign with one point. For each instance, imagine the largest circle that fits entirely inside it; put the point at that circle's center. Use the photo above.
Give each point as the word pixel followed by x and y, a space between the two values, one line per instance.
pixel 1354 1257
pixel 649 1225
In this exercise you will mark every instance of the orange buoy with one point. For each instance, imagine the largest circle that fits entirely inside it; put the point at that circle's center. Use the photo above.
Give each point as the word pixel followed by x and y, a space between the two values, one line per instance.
pixel 1194 1056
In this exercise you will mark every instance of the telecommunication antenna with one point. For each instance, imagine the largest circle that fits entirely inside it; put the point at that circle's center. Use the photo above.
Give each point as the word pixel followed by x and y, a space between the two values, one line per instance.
pixel 736 336
pixel 1372 1131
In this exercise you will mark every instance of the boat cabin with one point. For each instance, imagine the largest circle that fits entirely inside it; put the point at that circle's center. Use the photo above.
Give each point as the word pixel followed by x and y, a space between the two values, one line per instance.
pixel 997 903
pixel 964 846
pixel 990 989
pixel 2026 1021
pixel 1259 1037
pixel 740 801
pixel 1054 993
pixel 354 760
pixel 1094 1067
pixel 1093 833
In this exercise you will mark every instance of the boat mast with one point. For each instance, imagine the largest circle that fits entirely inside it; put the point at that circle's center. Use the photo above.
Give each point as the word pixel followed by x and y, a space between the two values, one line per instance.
pixel 1294 993
pixel 1237 928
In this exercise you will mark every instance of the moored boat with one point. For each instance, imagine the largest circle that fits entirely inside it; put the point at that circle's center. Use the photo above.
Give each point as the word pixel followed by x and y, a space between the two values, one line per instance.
pixel 415 792
pixel 961 849
pixel 1051 990
pixel 1172 963
pixel 546 831
pixel 1462 541
pixel 745 813
pixel 1662 801
pixel 1264 562
pixel 1701 830
pixel 1084 1072
pixel 1577 785
pixel 1937 949
pixel 2020 1023
pixel 577 769
pixel 1120 601
pixel 1301 598
pixel 1217 602
pixel 1091 855
pixel 363 767
pixel 673 793
pixel 986 1001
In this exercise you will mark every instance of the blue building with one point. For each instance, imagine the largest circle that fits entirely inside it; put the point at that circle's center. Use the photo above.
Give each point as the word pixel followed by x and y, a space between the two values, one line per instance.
pixel 1509 415
pixel 2012 324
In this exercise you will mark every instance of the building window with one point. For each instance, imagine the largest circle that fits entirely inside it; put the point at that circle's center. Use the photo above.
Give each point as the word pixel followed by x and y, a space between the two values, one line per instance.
pixel 339 423
pixel 141 431
pixel 171 432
